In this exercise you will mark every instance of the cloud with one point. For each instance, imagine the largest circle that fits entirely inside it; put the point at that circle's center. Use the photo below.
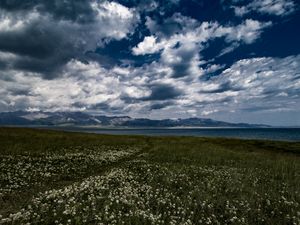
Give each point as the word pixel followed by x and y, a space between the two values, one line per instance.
pixel 250 85
pixel 200 33
pixel 247 32
pixel 150 60
pixel 170 25
pixel 45 42
pixel 259 83
pixel 271 7
pixel 161 105
pixel 163 92
pixel 80 11
pixel 147 46
pixel 181 51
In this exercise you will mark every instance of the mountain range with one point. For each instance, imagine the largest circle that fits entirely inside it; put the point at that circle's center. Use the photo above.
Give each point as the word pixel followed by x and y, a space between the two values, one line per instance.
pixel 25 118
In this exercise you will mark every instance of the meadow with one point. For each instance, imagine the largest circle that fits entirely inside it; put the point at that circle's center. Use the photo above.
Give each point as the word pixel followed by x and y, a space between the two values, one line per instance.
pixel 56 177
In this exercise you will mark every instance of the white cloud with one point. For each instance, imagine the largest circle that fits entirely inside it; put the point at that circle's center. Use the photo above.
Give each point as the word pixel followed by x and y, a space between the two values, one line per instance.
pixel 113 19
pixel 249 85
pixel 81 86
pixel 200 33
pixel 180 51
pixel 14 22
pixel 208 112
pixel 271 7
pixel 247 32
pixel 43 43
pixel 261 84
pixel 147 46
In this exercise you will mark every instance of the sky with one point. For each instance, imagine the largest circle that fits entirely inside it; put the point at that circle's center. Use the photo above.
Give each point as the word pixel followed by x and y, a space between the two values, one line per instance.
pixel 231 60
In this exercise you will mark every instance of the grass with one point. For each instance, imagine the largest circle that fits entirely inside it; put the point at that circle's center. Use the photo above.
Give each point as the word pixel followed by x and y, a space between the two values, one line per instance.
pixel 54 177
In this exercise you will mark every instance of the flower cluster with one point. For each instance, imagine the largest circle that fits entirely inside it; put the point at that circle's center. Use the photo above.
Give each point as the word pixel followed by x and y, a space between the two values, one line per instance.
pixel 24 171
pixel 144 192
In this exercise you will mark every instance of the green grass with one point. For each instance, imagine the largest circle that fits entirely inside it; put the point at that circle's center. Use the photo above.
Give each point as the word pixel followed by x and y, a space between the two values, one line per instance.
pixel 53 177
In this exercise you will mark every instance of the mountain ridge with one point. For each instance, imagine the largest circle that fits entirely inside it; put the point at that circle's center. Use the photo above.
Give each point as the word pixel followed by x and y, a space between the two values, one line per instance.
pixel 26 118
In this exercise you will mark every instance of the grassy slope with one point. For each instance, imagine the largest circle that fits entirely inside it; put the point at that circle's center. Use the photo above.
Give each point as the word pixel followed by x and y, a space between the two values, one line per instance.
pixel 212 170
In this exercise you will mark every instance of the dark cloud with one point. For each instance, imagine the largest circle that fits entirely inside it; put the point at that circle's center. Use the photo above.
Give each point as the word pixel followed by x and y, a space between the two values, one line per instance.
pixel 149 58
pixel 166 27
pixel 3 65
pixel 163 92
pixel 128 100
pixel 41 47
pixel 34 41
pixel 255 108
pixel 162 105
pixel 226 86
pixel 107 108
pixel 49 68
pixel 296 77
pixel 12 5
pixel 24 92
pixel 181 68
pixel 45 35
pixel 79 10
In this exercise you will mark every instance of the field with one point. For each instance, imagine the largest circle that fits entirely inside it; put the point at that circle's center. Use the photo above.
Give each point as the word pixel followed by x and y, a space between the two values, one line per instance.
pixel 51 177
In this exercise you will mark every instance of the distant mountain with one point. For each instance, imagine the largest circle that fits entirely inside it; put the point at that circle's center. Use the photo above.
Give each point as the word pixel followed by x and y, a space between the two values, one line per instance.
pixel 23 118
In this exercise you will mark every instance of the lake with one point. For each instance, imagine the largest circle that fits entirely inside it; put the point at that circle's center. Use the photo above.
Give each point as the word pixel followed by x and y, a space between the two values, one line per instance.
pixel 284 134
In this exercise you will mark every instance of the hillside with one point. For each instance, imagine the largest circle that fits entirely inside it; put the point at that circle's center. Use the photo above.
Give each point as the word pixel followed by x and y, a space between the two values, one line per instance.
pixel 23 118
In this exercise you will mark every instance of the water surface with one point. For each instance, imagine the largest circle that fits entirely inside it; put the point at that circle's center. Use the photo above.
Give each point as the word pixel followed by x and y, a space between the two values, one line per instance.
pixel 286 134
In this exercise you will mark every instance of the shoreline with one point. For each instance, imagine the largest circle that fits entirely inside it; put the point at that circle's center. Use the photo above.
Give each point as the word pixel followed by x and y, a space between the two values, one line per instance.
pixel 259 134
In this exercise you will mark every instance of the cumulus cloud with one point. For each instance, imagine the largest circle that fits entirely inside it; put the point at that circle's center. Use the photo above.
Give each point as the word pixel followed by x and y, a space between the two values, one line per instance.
pixel 81 87
pixel 180 51
pixel 259 84
pixel 49 61
pixel 147 46
pixel 45 42
pixel 254 84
